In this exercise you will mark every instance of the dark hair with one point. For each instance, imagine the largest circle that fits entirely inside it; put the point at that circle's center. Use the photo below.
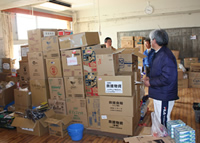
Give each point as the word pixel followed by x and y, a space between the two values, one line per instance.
pixel 106 39
pixel 147 40
pixel 160 35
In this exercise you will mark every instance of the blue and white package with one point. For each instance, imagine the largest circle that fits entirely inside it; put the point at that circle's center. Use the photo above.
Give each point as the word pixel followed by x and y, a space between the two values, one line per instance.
pixel 172 124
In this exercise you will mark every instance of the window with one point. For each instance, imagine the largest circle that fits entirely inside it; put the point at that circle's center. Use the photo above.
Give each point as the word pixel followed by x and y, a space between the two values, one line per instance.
pixel 28 22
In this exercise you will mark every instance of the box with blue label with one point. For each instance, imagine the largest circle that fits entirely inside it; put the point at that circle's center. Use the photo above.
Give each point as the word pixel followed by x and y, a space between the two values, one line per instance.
pixel 173 124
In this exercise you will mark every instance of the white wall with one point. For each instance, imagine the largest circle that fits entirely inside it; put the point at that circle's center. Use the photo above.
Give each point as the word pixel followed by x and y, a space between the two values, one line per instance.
pixel 129 15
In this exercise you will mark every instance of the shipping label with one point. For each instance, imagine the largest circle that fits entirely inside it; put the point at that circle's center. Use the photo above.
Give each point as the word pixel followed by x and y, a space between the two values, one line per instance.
pixel 113 87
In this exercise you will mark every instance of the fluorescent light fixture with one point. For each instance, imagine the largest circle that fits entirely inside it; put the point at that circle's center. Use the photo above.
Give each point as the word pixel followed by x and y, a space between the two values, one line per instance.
pixel 54 6
pixel 82 5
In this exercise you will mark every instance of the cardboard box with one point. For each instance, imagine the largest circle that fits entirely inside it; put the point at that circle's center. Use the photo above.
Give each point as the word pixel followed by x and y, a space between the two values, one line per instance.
pixel 56 88
pixel 180 74
pixel 140 62
pixel 139 40
pixel 35 38
pixel 89 58
pixel 183 83
pixel 54 69
pixel 107 62
pixel 24 71
pixel 37 66
pixel 195 67
pixel 127 38
pixel 7 65
pixel 194 80
pixel 117 124
pixel 65 32
pixel 93 110
pixel 3 76
pixel 24 52
pixel 127 43
pixel 7 96
pixel 148 139
pixel 116 85
pixel 72 63
pixel 74 87
pixel 58 106
pixel 50 47
pixel 176 53
pixel 22 98
pixel 14 79
pixel 39 91
pixel 91 87
pixel 57 123
pixel 76 108
pixel 120 106
pixel 140 47
pixel 79 40
pixel 188 61
pixel 178 62
pixel 27 126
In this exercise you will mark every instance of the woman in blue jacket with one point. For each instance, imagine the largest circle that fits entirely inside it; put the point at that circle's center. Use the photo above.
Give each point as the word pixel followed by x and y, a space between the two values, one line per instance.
pixel 162 80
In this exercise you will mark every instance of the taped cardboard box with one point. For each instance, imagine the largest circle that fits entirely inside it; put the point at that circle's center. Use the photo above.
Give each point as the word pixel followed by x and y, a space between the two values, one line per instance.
pixel 51 47
pixel 7 95
pixel 39 91
pixel 188 61
pixel 72 63
pixel 91 87
pixel 139 40
pixel 93 110
pixel 117 124
pixel 79 40
pixel 56 88
pixel 57 123
pixel 127 43
pixel 7 65
pixel 89 58
pixel 22 98
pixel 148 139
pixel 27 126
pixel 76 108
pixel 58 106
pixel 54 69
pixel 35 38
pixel 176 53
pixel 180 74
pixel 24 71
pixel 195 67
pixel 116 85
pixel 37 66
pixel 194 80
pixel 120 106
pixel 183 83
pixel 24 52
pixel 74 87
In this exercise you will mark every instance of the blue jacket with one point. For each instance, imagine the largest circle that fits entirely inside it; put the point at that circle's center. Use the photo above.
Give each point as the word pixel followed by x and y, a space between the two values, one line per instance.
pixel 147 61
pixel 163 76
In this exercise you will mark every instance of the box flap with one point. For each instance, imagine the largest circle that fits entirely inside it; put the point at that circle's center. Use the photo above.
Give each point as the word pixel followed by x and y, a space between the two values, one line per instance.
pixel 50 113
pixel 104 51
pixel 42 121
pixel 139 54
pixel 66 120
pixel 52 121
pixel 23 123
pixel 148 139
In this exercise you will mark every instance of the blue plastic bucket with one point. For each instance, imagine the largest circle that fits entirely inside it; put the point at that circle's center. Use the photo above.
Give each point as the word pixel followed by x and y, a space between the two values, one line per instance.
pixel 75 131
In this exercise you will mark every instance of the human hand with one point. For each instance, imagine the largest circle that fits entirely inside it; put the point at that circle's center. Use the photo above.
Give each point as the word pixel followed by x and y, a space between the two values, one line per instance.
pixel 146 81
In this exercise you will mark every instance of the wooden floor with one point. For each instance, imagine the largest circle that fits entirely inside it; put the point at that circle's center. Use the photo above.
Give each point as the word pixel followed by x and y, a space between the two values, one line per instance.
pixel 182 110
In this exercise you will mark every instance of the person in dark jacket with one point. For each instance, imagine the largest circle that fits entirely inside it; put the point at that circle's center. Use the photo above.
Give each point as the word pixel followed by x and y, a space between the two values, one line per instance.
pixel 162 81
pixel 149 52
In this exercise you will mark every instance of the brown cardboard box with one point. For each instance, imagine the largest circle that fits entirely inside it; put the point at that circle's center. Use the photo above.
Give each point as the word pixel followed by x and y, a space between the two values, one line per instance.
pixel 35 38
pixel 7 96
pixel 117 124
pixel 56 88
pixel 39 91
pixel 180 74
pixel 178 62
pixel 27 126
pixel 183 83
pixel 120 106
pixel 176 53
pixel 76 108
pixel 140 47
pixel 10 78
pixel 24 52
pixel 148 139
pixel 24 71
pixel 58 106
pixel 93 110
pixel 89 58
pixel 194 80
pixel 139 40
pixel 37 66
pixel 188 61
pixel 3 76
pixel 79 40
pixel 57 123
pixel 127 43
pixel 116 85
pixel 91 87
pixel 107 62
pixel 127 38
pixel 22 98
pixel 195 67
pixel 72 63
pixel 50 47
pixel 7 65
pixel 54 69
pixel 74 87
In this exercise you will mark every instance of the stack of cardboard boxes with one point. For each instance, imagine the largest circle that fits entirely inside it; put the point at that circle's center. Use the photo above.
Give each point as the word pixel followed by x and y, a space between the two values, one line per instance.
pixel 194 75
